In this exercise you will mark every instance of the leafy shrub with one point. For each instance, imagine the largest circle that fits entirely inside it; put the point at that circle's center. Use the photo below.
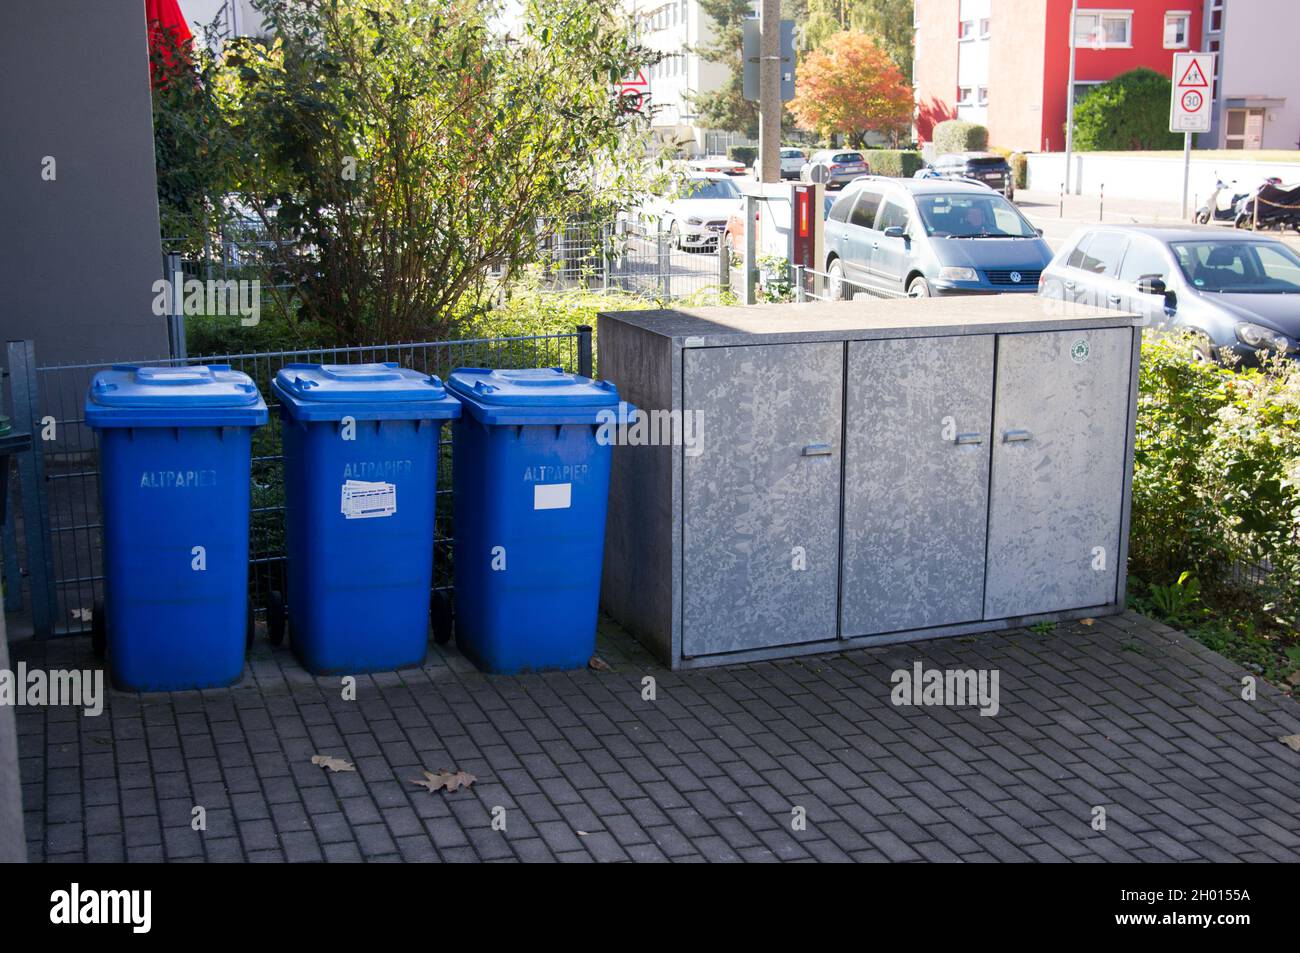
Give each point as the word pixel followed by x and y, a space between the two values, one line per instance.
pixel 1129 112
pixel 1216 484
pixel 744 154
pixel 1019 170
pixel 895 162
pixel 956 135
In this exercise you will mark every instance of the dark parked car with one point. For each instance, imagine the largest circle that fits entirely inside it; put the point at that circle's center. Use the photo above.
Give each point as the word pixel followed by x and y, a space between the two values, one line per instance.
pixel 930 237
pixel 1239 292
pixel 988 168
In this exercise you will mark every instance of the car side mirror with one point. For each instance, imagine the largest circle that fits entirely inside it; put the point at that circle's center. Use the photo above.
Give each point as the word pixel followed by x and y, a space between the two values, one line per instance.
pixel 1151 285
pixel 1039 232
pixel 895 231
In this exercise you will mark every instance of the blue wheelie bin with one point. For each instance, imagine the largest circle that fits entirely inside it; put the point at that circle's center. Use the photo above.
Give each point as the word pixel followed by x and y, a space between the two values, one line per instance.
pixel 531 485
pixel 360 483
pixel 174 448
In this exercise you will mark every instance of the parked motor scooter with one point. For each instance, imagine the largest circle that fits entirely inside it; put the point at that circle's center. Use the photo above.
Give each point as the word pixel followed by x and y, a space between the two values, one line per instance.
pixel 1221 205
pixel 1279 207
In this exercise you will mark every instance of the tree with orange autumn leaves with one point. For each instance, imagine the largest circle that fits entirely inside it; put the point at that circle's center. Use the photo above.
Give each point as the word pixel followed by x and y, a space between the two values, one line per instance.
pixel 850 85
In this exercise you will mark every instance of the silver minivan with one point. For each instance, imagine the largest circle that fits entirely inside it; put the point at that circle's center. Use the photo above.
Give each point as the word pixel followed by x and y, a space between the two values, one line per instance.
pixel 926 237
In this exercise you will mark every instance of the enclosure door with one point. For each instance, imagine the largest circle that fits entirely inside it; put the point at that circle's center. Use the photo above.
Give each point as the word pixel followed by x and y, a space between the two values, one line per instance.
pixel 1060 429
pixel 916 480
pixel 760 539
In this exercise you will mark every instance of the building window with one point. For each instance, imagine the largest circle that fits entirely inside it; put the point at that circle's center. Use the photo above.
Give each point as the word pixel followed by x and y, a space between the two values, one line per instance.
pixel 1216 16
pixel 1213 47
pixel 1177 26
pixel 966 30
pixel 1104 29
pixel 963 95
pixel 984 28
pixel 984 96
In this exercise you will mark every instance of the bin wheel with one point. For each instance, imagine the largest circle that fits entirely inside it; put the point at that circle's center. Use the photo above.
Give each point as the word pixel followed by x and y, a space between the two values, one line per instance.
pixel 252 628
pixel 275 617
pixel 98 631
pixel 440 613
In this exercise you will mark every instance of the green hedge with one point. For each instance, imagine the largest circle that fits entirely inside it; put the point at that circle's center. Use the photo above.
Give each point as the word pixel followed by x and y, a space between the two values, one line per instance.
pixel 899 163
pixel 1129 112
pixel 745 154
pixel 1216 495
pixel 954 135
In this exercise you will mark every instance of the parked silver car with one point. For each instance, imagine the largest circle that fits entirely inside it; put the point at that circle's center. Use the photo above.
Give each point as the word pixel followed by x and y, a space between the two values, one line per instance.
pixel 928 237
pixel 1238 293
pixel 844 165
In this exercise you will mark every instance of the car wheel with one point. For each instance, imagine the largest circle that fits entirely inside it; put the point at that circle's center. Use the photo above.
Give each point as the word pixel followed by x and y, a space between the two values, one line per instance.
pixel 918 287
pixel 835 280
pixel 1202 351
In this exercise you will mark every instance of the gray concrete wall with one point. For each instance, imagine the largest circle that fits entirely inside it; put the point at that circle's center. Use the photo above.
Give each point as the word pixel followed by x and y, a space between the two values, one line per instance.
pixel 79 252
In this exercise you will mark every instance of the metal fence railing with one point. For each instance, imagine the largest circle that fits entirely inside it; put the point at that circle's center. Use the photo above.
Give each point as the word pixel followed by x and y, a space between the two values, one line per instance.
pixel 58 540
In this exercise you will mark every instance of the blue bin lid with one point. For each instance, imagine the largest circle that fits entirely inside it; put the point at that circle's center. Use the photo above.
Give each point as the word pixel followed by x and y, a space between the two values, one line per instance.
pixel 384 391
pixel 546 395
pixel 210 395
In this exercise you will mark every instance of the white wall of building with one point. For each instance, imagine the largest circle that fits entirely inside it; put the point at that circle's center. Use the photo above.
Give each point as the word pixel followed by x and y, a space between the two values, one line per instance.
pixel 1258 68
pixel 973 60
pixel 237 17
pixel 677 28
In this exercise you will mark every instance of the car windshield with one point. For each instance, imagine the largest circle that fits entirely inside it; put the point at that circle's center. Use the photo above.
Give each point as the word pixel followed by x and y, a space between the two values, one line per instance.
pixel 1236 267
pixel 848 157
pixel 964 215
pixel 712 189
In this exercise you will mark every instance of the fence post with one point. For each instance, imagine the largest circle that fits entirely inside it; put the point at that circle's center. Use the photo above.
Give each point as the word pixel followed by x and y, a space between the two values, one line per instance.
pixel 800 295
pixel 751 239
pixel 665 288
pixel 176 308
pixel 584 350
pixel 724 266
pixel 606 241
pixel 31 477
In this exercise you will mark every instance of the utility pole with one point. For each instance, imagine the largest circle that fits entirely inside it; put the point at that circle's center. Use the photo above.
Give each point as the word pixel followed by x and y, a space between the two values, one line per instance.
pixel 1069 96
pixel 769 91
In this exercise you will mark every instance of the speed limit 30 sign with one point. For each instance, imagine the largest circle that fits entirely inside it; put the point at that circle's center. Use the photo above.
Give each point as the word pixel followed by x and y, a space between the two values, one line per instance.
pixel 1189 109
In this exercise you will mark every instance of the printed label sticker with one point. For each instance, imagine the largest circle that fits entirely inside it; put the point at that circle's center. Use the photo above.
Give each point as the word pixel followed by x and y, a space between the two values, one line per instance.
pixel 363 499
pixel 552 496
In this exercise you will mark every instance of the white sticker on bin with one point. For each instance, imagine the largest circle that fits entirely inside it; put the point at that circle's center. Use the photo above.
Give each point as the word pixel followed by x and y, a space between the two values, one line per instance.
pixel 363 499
pixel 552 496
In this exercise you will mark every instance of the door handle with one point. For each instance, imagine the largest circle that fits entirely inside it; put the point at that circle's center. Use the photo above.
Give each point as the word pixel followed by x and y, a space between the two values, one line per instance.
pixel 966 439
pixel 818 450
pixel 1114 299
pixel 875 244
pixel 1069 285
pixel 1015 436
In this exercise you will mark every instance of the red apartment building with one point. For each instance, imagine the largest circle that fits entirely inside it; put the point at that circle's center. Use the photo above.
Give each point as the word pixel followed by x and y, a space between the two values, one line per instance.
pixel 1006 63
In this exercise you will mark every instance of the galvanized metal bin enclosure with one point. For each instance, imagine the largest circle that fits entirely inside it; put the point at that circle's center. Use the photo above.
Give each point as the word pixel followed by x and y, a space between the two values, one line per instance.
pixel 867 472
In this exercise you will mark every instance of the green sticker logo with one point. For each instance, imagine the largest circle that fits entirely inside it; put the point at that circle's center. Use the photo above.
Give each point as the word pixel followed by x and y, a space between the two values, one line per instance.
pixel 1079 351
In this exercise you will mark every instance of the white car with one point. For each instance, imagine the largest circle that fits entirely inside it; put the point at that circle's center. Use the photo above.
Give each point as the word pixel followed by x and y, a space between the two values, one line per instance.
pixel 792 162
pixel 713 165
pixel 698 217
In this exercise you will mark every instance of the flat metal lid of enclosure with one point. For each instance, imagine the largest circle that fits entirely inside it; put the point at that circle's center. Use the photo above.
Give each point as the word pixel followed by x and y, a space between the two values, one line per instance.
pixel 128 395
pixel 384 391
pixel 532 395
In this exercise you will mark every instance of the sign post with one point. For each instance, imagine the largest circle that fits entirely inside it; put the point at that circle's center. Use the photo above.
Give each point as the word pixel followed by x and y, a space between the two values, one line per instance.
pixel 1189 106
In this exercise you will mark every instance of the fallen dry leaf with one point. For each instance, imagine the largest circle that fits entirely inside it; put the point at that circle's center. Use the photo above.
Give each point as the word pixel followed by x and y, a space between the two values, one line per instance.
pixel 445 778
pixel 598 663
pixel 334 764
pixel 1086 621
pixel 1291 741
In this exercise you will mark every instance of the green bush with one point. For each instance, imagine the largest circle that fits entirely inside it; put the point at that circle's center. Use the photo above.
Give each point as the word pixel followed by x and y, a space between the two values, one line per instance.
pixel 1129 112
pixel 895 162
pixel 954 135
pixel 1019 170
pixel 1216 490
pixel 745 154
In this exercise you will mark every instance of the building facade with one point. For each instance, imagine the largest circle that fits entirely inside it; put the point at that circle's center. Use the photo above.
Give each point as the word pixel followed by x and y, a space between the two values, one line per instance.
pixel 1005 63
pixel 678 29
pixel 1256 87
